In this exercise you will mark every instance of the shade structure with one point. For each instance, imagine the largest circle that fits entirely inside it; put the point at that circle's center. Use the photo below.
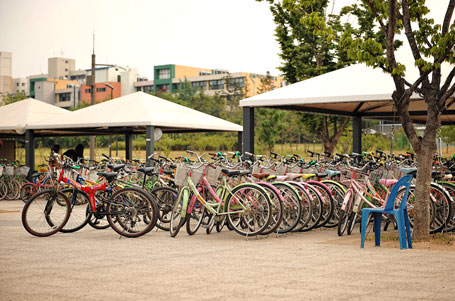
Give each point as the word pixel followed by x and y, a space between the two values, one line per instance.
pixel 16 118
pixel 135 112
pixel 357 91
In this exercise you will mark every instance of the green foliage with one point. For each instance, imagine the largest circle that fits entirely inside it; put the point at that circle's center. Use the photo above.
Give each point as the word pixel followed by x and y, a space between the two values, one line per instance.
pixel 8 98
pixel 448 134
pixel 269 126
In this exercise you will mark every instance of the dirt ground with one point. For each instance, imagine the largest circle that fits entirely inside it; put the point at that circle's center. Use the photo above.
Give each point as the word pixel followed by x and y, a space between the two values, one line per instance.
pixel 96 265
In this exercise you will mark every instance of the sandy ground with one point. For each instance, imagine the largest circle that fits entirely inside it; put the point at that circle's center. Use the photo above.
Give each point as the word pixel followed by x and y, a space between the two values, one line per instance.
pixel 97 265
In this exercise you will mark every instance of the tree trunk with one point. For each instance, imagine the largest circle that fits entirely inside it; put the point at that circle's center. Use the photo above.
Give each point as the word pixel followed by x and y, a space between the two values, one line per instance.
pixel 422 194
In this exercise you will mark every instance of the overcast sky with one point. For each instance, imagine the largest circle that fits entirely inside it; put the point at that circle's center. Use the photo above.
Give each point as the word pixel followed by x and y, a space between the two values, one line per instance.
pixel 237 35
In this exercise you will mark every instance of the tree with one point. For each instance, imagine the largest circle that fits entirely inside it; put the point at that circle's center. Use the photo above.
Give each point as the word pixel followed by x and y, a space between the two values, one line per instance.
pixel 8 98
pixel 308 35
pixel 431 45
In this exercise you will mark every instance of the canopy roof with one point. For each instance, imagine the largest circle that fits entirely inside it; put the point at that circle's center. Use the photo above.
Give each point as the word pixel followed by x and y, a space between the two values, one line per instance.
pixel 15 118
pixel 356 90
pixel 132 113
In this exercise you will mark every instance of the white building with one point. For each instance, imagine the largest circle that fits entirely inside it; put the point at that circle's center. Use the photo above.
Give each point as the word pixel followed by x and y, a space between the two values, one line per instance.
pixel 21 85
pixel 6 80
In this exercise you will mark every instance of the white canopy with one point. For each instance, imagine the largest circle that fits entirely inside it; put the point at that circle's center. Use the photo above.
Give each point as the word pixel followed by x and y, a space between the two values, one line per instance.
pixel 138 110
pixel 356 90
pixel 18 116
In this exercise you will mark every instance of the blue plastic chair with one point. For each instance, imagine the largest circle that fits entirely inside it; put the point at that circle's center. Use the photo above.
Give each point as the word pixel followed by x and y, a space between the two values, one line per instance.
pixel 401 215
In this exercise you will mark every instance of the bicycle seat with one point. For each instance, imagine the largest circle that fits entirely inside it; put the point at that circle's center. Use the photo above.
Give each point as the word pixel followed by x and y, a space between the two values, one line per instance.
pixel 409 171
pixel 333 173
pixel 308 175
pixel 108 175
pixel 322 175
pixel 260 175
pixel 387 182
pixel 231 173
pixel 146 170
pixel 115 167
pixel 168 172
pixel 293 176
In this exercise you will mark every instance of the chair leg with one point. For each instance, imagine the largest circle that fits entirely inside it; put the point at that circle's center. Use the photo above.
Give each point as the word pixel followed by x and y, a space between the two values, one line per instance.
pixel 377 228
pixel 408 228
pixel 363 227
pixel 401 231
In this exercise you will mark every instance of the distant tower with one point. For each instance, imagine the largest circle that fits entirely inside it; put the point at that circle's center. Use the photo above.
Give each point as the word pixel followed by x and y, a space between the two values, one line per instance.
pixel 6 80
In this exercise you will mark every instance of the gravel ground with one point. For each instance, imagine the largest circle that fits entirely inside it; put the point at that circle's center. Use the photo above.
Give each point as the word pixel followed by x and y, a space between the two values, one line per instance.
pixel 96 265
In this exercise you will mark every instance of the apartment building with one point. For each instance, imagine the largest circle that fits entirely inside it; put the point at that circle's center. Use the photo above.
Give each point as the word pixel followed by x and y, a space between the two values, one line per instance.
pixel 20 85
pixel 60 68
pixel 167 78
pixel 6 80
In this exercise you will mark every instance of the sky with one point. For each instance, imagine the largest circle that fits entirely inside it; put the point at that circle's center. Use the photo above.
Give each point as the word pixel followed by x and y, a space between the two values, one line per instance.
pixel 236 35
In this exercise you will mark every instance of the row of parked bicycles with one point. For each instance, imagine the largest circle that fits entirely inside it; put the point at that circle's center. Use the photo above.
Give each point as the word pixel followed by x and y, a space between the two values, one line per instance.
pixel 249 194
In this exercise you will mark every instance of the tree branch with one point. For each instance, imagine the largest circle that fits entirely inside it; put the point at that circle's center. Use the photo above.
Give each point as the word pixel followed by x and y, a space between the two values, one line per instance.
pixel 340 130
pixel 376 14
pixel 409 33
pixel 448 17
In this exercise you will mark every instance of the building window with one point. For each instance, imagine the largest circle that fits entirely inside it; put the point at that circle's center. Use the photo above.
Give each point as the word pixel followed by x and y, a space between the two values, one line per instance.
pixel 100 89
pixel 163 88
pixel 148 89
pixel 119 78
pixel 23 91
pixel 66 62
pixel 88 90
pixel 202 73
pixel 200 85
pixel 217 84
pixel 66 69
pixel 236 83
pixel 65 96
pixel 23 84
pixel 17 84
pixel 164 73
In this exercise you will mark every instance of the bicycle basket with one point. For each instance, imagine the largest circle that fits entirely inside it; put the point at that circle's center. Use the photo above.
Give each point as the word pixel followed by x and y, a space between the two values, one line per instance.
pixel 294 169
pixel 22 171
pixel 269 171
pixel 213 174
pixel 376 175
pixel 181 174
pixel 196 175
pixel 256 169
pixel 9 171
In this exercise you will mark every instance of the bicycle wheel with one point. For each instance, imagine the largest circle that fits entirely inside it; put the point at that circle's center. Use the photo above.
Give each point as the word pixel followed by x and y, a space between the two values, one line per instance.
pixel 292 207
pixel 352 221
pixel 306 204
pixel 450 187
pixel 14 189
pixel 249 209
pixel 338 193
pixel 277 208
pixel 345 214
pixel 328 203
pixel 43 214
pixel 194 219
pixel 27 190
pixel 98 220
pixel 443 208
pixel 131 212
pixel 3 189
pixel 165 198
pixel 317 210
pixel 79 216
pixel 178 213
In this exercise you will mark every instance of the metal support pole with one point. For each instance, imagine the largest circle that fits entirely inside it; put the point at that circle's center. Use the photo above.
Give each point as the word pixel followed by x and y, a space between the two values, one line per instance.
pixel 30 149
pixel 128 146
pixel 239 141
pixel 149 142
pixel 248 130
pixel 357 135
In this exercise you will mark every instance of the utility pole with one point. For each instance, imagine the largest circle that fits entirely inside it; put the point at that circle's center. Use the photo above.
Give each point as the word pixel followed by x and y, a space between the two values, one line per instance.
pixel 93 81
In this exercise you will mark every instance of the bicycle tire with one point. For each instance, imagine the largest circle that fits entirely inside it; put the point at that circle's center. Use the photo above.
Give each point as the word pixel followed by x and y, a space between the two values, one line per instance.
pixel 292 206
pixel 344 215
pixel 338 192
pixel 79 216
pixel 131 212
pixel 306 204
pixel 14 189
pixel 316 213
pixel 328 203
pixel 249 209
pixel 277 208
pixel 3 189
pixel 44 208
pixel 351 222
pixel 27 190
pixel 165 198
pixel 194 219
pixel 179 209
